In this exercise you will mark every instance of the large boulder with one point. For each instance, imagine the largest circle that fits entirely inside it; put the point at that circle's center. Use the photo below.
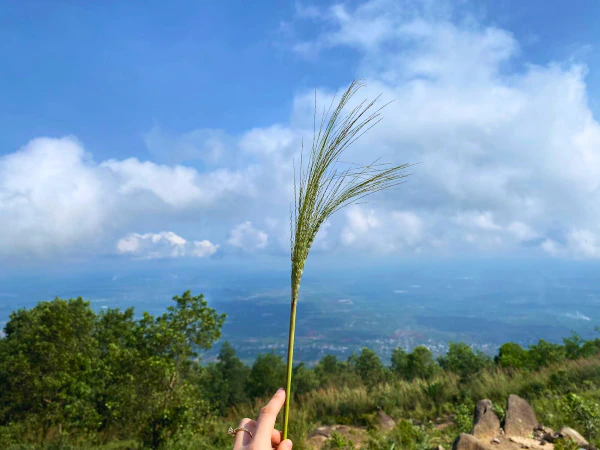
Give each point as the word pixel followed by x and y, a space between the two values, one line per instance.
pixel 470 442
pixel 520 418
pixel 533 444
pixel 385 421
pixel 486 423
pixel 570 433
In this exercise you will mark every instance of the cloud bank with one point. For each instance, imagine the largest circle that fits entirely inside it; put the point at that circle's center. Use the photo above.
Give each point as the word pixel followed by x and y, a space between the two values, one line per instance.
pixel 165 244
pixel 508 153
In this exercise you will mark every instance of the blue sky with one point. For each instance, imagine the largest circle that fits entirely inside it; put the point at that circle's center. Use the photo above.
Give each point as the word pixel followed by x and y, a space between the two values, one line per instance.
pixel 147 129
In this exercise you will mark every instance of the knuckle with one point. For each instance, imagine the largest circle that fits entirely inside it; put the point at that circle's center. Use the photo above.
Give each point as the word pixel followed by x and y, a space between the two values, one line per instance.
pixel 244 421
pixel 266 410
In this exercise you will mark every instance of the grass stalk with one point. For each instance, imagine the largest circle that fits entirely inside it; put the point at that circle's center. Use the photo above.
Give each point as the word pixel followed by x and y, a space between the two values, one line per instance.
pixel 326 185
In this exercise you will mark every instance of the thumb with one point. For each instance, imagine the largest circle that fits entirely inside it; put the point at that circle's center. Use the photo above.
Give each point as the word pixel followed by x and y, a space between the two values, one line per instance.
pixel 285 445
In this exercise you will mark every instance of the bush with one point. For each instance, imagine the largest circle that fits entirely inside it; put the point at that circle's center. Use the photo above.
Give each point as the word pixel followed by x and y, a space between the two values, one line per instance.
pixel 463 418
pixel 583 413
pixel 337 441
pixel 405 436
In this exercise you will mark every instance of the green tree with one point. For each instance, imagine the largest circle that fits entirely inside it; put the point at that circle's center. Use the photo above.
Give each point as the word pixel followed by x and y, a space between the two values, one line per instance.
pixel 400 363
pixel 369 367
pixel 328 369
pixel 304 380
pixel 48 367
pixel 421 363
pixel 462 360
pixel 267 375
pixel 168 369
pixel 117 375
pixel 545 353
pixel 577 347
pixel 227 379
pixel 511 355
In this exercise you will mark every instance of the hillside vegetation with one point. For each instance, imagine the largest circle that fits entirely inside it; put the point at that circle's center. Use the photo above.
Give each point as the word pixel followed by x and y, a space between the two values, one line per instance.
pixel 71 378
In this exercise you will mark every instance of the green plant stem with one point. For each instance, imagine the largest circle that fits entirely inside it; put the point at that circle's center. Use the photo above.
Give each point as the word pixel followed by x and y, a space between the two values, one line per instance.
pixel 290 360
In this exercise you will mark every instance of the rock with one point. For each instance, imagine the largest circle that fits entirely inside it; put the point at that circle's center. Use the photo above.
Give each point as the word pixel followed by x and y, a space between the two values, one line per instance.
pixel 520 418
pixel 319 436
pixel 531 443
pixel 321 431
pixel 439 447
pixel 570 433
pixel 317 441
pixel 469 442
pixel 486 423
pixel 495 441
pixel 385 421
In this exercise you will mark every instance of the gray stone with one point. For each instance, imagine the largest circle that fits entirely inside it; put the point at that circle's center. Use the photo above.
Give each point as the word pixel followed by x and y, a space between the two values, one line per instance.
pixel 385 421
pixel 469 442
pixel 570 433
pixel 520 418
pixel 486 423
pixel 533 444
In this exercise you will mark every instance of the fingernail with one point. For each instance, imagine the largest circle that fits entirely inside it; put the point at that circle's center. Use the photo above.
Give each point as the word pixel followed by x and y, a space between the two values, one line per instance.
pixel 280 389
pixel 288 445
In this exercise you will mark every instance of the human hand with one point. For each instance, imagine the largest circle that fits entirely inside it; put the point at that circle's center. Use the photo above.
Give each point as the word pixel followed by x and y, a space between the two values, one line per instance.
pixel 264 435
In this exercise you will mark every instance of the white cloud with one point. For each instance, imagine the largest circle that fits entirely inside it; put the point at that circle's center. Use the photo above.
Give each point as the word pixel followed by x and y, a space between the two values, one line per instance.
pixel 55 198
pixel 177 186
pixel 507 156
pixel 382 231
pixel 477 220
pixel 165 244
pixel 509 153
pixel 579 244
pixel 244 236
pixel 267 140
pixel 522 231
pixel 208 145
pixel 578 316
pixel 51 197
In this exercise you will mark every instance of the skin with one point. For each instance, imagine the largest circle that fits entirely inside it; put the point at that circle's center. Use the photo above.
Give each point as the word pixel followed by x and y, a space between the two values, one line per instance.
pixel 265 436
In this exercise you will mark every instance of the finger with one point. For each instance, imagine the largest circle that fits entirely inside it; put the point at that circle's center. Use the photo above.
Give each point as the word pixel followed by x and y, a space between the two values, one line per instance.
pixel 242 438
pixel 276 437
pixel 285 445
pixel 251 425
pixel 267 417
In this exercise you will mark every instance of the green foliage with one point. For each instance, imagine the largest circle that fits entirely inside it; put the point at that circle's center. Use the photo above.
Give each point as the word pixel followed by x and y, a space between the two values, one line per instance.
pixel 337 441
pixel 500 412
pixel 227 380
pixel 304 380
pixel 565 444
pixel 463 418
pixel 461 360
pixel 545 353
pixel 74 379
pixel 399 362
pixel 267 375
pixel 577 347
pixel 66 371
pixel 583 413
pixel 421 364
pixel 404 436
pixel 512 356
pixel 49 361
pixel 328 369
pixel 370 368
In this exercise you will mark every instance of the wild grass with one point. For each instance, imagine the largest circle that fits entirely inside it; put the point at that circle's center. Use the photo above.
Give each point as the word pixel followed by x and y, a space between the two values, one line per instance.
pixel 422 401
pixel 325 185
